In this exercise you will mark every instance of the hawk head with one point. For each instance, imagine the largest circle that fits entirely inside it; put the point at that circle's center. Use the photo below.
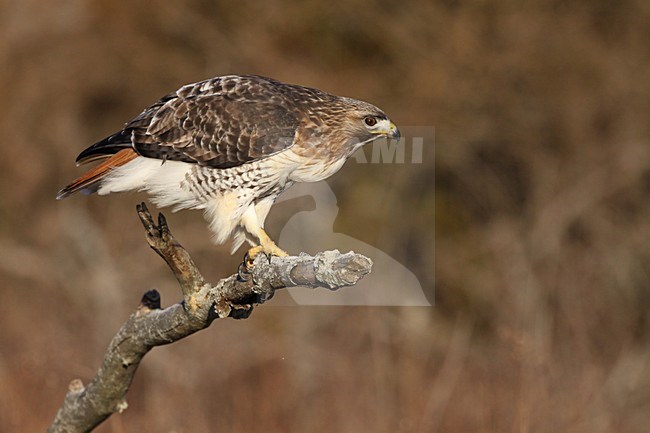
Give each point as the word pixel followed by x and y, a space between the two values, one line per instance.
pixel 364 122
pixel 343 125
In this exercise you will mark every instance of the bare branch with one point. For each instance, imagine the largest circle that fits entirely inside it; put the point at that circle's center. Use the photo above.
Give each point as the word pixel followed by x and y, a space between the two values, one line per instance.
pixel 86 407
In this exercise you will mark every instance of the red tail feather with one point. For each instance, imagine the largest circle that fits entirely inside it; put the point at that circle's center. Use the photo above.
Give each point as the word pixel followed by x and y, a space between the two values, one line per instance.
pixel 91 178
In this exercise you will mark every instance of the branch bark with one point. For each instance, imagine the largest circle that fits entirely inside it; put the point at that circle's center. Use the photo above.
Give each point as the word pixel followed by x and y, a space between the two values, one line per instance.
pixel 85 407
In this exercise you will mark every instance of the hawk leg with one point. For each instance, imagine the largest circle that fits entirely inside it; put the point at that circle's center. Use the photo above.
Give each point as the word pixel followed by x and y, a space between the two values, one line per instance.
pixel 266 246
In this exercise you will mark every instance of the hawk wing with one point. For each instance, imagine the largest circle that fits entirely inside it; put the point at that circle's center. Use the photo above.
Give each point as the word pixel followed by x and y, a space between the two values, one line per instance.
pixel 220 123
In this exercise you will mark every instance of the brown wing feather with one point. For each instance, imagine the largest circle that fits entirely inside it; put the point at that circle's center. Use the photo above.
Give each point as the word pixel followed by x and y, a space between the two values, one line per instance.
pixel 220 123
pixel 216 131
pixel 88 182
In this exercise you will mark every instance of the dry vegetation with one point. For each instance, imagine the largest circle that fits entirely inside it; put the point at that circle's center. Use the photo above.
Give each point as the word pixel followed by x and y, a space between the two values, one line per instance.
pixel 542 224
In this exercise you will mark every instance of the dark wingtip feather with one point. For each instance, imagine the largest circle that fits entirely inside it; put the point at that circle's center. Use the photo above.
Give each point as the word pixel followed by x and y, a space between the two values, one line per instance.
pixel 106 147
pixel 63 193
pixel 83 189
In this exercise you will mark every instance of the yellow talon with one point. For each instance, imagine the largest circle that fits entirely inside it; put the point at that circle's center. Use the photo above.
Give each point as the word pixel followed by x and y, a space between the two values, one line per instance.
pixel 267 246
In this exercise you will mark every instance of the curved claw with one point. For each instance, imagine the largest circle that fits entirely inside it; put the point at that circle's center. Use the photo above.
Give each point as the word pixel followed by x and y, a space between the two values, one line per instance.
pixel 251 255
pixel 243 271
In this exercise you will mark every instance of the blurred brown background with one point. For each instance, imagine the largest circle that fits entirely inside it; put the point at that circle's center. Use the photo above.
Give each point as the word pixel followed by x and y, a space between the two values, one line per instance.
pixel 542 216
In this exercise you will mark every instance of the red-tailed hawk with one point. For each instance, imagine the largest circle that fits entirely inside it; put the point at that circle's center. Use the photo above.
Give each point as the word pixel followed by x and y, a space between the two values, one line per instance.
pixel 230 145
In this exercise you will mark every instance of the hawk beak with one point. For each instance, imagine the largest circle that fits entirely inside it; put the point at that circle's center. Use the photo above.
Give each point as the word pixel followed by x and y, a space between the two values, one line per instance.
pixel 393 132
pixel 389 131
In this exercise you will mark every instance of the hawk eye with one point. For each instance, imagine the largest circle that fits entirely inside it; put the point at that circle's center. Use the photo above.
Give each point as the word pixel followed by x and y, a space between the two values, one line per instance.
pixel 370 121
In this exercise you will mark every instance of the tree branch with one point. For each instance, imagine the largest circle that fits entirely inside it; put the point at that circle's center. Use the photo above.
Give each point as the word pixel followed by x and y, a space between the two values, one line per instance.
pixel 86 407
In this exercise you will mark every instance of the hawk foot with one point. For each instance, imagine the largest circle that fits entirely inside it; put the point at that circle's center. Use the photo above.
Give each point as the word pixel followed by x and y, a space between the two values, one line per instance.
pixel 269 249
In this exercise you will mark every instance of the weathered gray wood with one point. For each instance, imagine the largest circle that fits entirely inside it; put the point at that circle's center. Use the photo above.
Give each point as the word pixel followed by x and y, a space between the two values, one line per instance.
pixel 86 407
